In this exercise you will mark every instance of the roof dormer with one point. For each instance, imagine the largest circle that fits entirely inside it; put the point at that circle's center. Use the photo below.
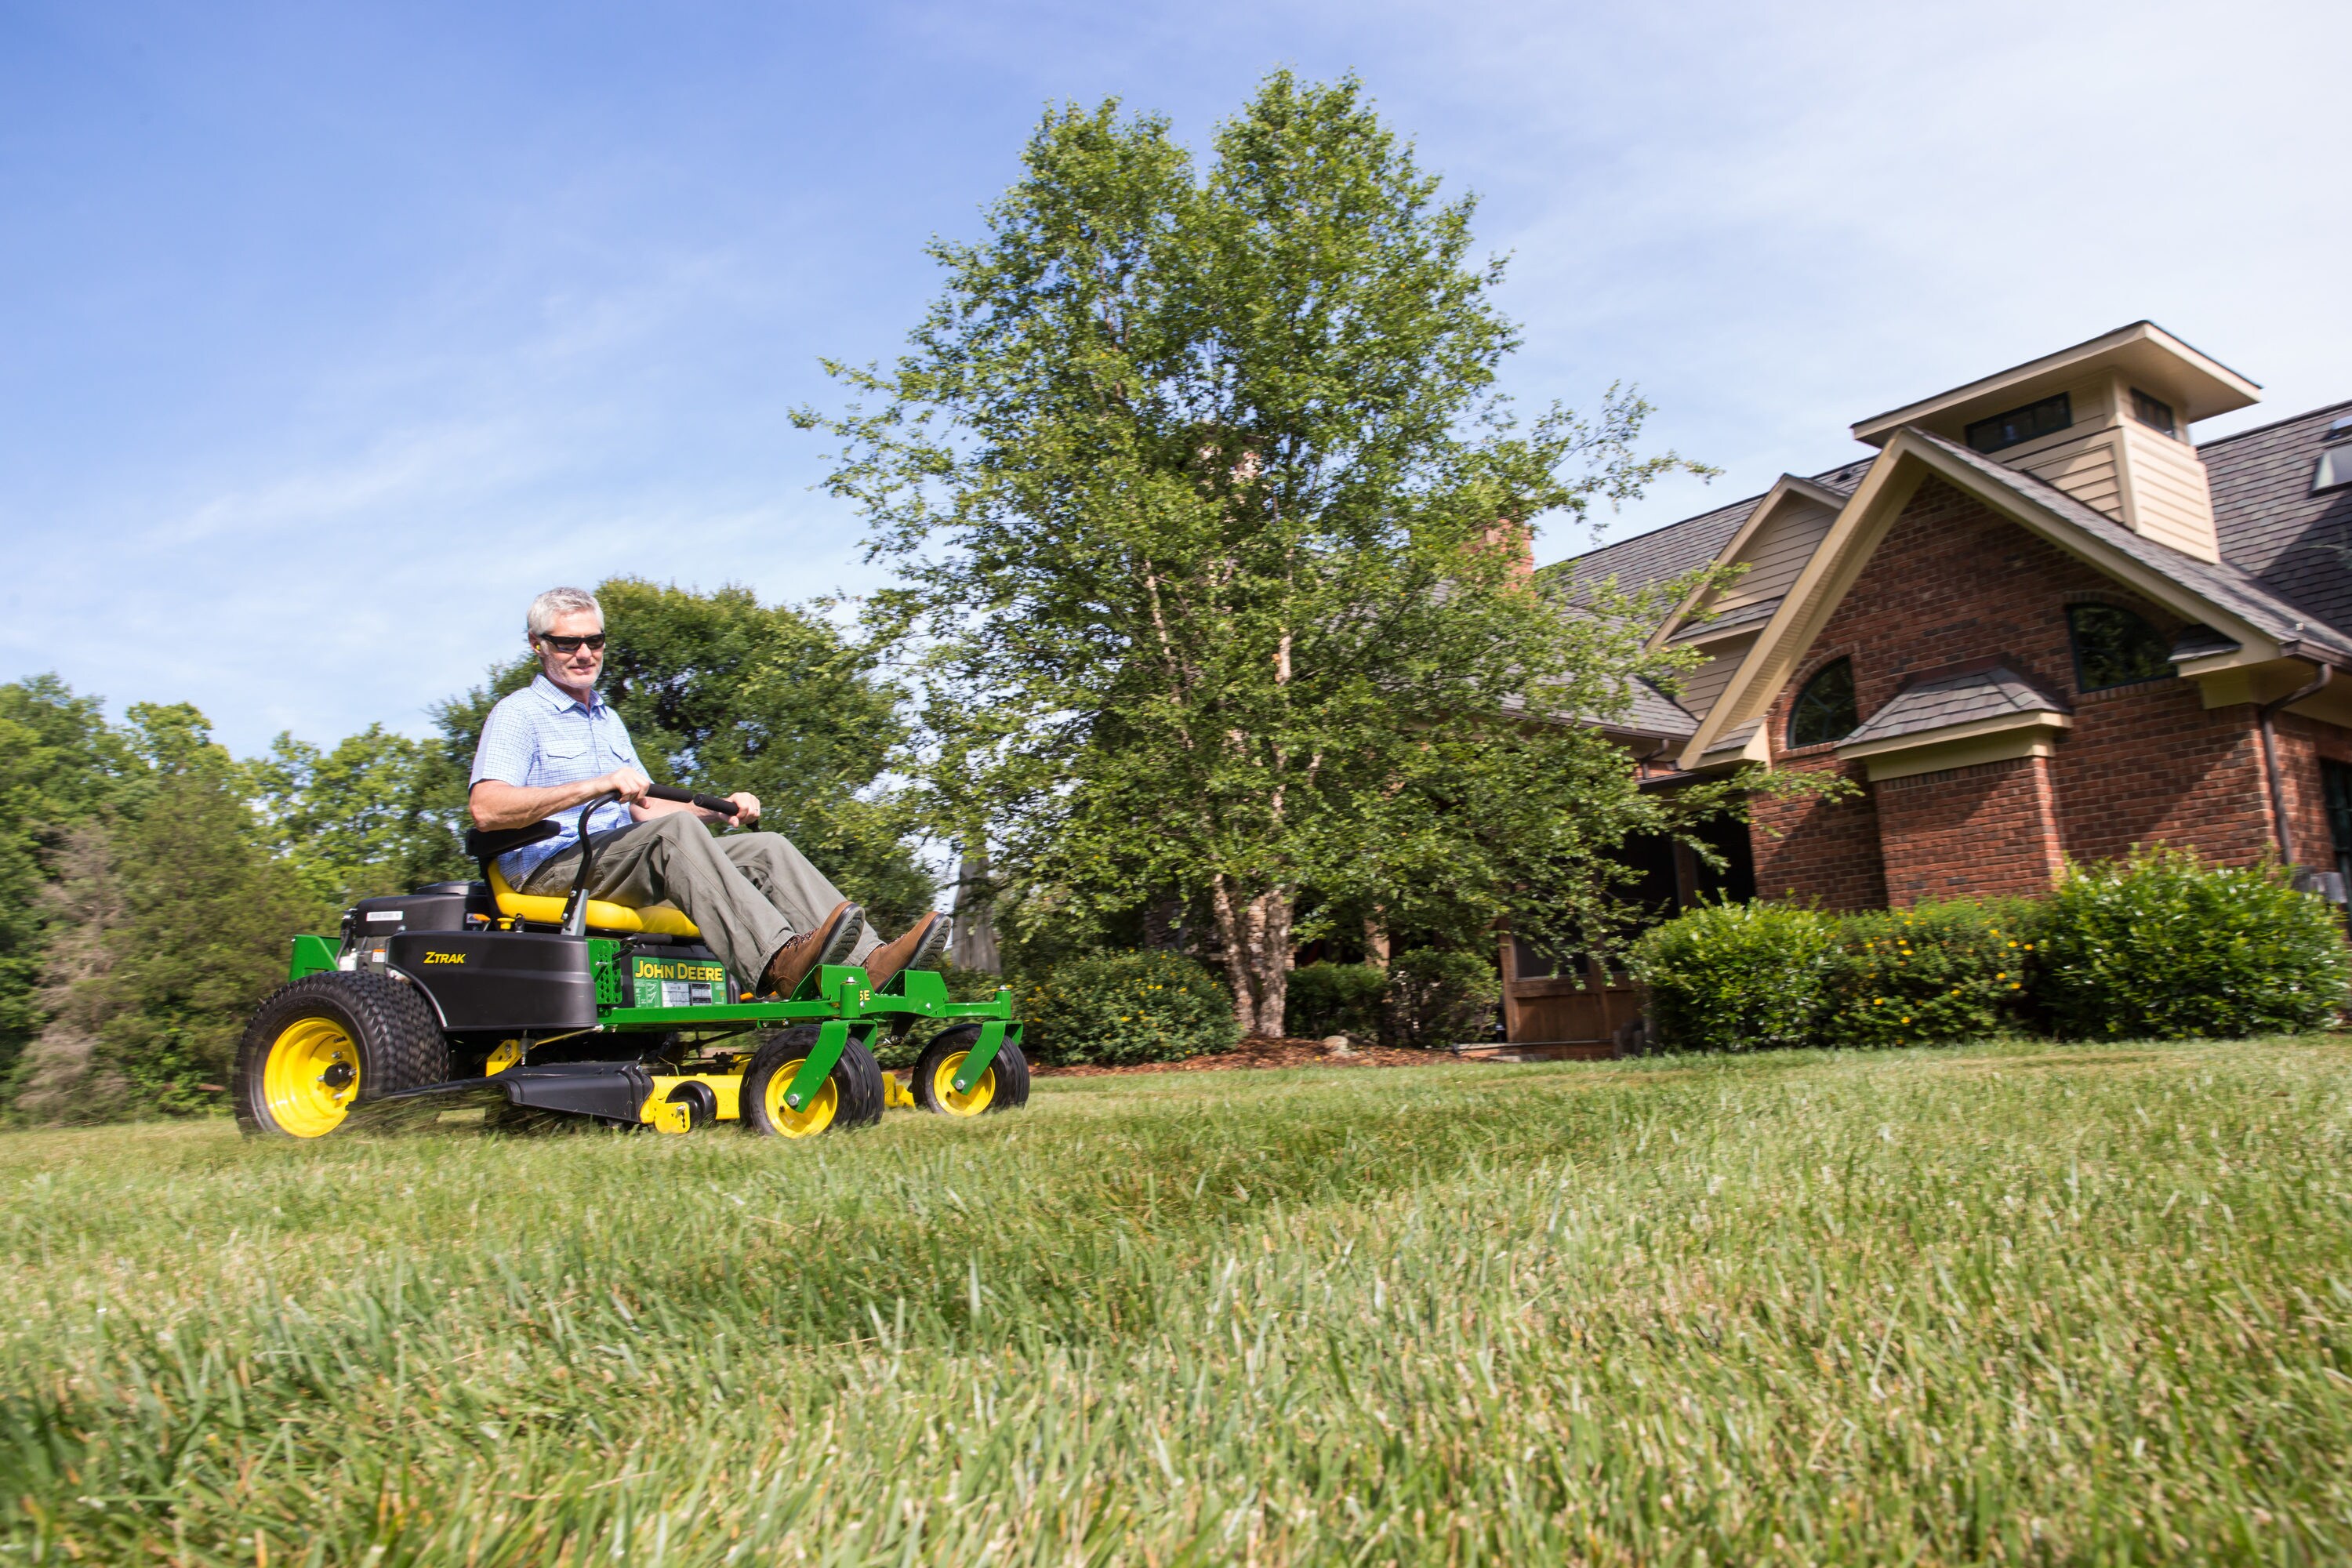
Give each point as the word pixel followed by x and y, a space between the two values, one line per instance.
pixel 2106 421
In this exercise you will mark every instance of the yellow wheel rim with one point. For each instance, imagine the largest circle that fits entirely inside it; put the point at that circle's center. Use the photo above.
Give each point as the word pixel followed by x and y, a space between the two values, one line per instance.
pixel 972 1101
pixel 310 1077
pixel 811 1119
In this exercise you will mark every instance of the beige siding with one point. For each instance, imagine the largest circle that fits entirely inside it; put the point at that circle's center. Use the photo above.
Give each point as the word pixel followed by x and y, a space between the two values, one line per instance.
pixel 2092 402
pixel 1776 551
pixel 2084 467
pixel 2170 499
pixel 1702 686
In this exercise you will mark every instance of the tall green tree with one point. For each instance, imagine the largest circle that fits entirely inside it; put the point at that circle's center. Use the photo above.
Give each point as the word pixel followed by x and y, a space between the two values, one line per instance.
pixel 370 814
pixel 722 693
pixel 61 765
pixel 168 922
pixel 1213 528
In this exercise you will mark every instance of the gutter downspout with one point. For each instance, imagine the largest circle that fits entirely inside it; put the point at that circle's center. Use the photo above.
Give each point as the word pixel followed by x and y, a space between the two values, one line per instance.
pixel 2264 715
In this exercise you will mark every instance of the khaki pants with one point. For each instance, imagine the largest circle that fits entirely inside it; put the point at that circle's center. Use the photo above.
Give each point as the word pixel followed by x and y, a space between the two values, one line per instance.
pixel 748 893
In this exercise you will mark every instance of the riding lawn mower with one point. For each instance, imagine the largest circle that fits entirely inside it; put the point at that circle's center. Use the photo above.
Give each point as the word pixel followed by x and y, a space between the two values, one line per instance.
pixel 468 996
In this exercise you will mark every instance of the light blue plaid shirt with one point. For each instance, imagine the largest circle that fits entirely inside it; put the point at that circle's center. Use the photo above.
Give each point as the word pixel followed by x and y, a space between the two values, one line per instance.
pixel 538 737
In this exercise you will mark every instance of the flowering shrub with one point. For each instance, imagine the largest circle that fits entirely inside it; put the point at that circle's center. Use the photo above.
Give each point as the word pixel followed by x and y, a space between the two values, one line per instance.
pixel 1127 1007
pixel 1929 974
pixel 2162 945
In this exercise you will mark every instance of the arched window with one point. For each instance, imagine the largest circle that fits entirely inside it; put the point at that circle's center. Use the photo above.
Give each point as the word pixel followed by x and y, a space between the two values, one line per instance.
pixel 2114 647
pixel 1824 708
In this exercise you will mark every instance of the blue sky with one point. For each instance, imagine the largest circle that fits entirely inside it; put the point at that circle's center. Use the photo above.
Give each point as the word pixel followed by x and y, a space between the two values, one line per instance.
pixel 327 334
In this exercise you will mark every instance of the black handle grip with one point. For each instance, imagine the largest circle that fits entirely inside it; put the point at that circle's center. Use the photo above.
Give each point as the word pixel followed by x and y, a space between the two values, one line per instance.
pixel 688 797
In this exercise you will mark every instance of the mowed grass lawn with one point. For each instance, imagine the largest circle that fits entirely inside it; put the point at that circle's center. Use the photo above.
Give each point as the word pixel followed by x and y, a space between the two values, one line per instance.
pixel 2017 1303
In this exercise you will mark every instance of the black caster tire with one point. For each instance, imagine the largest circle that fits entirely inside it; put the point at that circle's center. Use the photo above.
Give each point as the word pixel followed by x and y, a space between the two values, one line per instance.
pixel 1003 1087
pixel 327 1043
pixel 851 1095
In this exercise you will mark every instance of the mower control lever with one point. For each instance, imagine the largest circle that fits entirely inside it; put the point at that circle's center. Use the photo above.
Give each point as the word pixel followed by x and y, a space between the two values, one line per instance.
pixel 575 904
pixel 688 797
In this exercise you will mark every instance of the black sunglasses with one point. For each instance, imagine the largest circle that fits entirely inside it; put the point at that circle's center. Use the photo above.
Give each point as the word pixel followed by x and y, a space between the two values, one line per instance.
pixel 574 645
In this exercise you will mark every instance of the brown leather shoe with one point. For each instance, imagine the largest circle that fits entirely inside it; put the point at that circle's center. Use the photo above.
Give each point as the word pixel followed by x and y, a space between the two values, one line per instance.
pixel 923 945
pixel 829 943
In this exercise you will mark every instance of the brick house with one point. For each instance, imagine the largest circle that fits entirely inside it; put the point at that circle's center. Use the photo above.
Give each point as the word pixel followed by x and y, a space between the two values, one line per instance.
pixel 2037 622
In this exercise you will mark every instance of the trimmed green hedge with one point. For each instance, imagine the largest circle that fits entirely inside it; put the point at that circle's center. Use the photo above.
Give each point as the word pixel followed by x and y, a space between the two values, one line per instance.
pixel 1426 997
pixel 1127 1007
pixel 1738 977
pixel 2161 946
pixel 2158 945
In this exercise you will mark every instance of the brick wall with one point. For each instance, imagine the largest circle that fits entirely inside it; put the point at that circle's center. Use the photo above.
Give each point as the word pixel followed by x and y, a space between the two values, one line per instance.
pixel 1816 849
pixel 2301 744
pixel 1954 581
pixel 1987 831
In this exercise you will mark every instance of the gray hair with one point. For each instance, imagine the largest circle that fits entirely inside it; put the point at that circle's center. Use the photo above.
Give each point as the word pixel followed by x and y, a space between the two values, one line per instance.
pixel 559 602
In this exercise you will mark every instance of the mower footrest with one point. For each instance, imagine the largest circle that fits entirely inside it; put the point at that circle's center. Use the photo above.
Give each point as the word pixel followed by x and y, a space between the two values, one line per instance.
pixel 609 1092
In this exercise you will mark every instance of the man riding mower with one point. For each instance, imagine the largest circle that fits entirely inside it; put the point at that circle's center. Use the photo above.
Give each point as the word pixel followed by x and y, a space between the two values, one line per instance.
pixel 619 965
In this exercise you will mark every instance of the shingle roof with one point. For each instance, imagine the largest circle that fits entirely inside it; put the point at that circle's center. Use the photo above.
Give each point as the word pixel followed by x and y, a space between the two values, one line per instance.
pixel 1667 553
pixel 1729 620
pixel 1967 697
pixel 1646 711
pixel 1653 712
pixel 2225 583
pixel 2198 641
pixel 2297 544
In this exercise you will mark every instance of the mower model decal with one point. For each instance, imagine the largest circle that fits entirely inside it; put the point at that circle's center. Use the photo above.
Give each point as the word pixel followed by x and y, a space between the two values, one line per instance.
pixel 678 982
pixel 445 958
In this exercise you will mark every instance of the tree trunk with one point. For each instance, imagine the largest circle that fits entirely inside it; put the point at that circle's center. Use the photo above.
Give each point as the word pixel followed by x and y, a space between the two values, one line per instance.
pixel 1256 939
pixel 1376 941
pixel 1270 915
pixel 974 944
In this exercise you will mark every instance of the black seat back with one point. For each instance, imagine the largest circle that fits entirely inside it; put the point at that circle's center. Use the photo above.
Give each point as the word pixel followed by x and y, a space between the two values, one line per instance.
pixel 485 847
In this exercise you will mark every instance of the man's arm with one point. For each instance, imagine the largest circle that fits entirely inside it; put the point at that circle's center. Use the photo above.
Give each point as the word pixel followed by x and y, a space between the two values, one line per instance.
pixel 495 805
pixel 747 809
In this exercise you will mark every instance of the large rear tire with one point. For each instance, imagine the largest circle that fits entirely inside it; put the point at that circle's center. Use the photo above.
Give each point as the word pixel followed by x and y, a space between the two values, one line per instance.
pixel 325 1043
pixel 1003 1087
pixel 851 1095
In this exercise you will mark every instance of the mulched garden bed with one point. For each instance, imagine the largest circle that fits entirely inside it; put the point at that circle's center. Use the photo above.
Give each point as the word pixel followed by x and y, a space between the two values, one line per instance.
pixel 1259 1051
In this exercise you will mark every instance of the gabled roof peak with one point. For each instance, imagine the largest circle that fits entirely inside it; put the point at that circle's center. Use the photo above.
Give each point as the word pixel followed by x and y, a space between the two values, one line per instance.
pixel 2198 385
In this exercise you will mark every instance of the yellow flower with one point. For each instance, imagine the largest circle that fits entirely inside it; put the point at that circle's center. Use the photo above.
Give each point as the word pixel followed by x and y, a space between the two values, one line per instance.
pixel 2013 985
pixel 1906 1020
pixel 2000 974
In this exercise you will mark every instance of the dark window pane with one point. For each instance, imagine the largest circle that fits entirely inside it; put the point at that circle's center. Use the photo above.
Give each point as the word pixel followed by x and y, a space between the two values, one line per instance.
pixel 2114 647
pixel 2338 780
pixel 2031 422
pixel 2153 412
pixel 1824 708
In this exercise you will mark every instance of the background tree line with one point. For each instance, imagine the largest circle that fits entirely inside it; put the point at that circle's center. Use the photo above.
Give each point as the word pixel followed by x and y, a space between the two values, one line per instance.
pixel 149 880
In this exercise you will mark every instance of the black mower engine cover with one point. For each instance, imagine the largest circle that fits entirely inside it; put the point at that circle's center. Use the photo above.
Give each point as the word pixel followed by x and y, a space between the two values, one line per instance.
pixel 500 979
pixel 437 906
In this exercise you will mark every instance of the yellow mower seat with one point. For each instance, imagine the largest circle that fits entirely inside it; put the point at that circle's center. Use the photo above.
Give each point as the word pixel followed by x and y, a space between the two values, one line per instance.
pixel 660 920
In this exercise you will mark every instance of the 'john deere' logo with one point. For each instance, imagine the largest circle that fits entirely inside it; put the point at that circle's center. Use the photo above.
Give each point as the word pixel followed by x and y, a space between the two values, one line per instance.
pixel 445 958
